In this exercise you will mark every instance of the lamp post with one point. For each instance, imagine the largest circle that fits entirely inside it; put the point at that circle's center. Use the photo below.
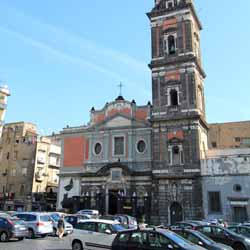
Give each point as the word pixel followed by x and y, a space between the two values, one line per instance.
pixel 134 204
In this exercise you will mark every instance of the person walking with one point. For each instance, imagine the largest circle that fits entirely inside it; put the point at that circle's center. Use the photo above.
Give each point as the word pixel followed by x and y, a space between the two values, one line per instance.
pixel 60 227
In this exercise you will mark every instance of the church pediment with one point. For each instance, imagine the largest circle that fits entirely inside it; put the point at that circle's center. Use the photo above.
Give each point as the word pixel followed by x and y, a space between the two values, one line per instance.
pixel 120 120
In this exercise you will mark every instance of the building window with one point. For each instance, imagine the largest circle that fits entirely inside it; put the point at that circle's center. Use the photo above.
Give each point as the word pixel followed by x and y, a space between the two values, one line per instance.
pixel 169 4
pixel 98 148
pixel 13 172
pixel 116 175
pixel 141 146
pixel 15 155
pixel 119 145
pixel 237 188
pixel 214 202
pixel 175 155
pixel 246 141
pixel 24 171
pixel 214 144
pixel 173 97
pixel 237 139
pixel 170 44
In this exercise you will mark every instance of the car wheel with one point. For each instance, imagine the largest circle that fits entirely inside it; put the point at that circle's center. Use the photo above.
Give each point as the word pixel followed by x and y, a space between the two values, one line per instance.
pixel 31 234
pixel 77 245
pixel 20 238
pixel 4 237
pixel 239 247
pixel 43 235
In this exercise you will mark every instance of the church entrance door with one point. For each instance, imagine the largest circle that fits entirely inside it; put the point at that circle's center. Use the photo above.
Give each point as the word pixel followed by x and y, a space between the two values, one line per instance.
pixel 175 213
pixel 113 202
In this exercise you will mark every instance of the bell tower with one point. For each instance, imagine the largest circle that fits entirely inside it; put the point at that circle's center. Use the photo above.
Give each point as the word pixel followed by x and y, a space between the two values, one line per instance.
pixel 178 116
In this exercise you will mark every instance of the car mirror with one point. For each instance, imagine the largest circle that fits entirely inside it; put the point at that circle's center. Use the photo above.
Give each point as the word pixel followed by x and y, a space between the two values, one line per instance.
pixel 108 231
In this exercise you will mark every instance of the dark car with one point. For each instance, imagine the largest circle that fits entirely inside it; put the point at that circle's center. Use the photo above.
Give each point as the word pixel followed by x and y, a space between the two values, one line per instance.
pixel 12 228
pixel 151 239
pixel 74 219
pixel 225 236
pixel 243 230
pixel 201 239
pixel 185 225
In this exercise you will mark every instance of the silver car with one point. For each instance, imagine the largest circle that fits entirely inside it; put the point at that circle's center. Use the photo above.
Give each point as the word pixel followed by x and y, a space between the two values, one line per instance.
pixel 39 224
pixel 55 218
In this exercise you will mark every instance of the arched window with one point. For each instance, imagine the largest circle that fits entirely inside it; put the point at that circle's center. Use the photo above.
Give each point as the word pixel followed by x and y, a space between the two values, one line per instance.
pixel 171 45
pixel 175 155
pixel 173 97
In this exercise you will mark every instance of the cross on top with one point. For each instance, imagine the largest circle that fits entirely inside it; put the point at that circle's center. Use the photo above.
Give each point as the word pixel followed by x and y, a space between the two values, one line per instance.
pixel 120 86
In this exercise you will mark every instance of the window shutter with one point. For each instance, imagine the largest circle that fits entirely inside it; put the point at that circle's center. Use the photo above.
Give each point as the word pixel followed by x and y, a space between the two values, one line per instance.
pixel 154 41
pixel 180 38
pixel 191 89
pixel 155 92
pixel 161 42
pixel 169 157
pixel 189 36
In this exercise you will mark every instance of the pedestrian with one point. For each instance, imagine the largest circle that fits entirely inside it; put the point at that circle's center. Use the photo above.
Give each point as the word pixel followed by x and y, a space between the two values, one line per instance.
pixel 60 227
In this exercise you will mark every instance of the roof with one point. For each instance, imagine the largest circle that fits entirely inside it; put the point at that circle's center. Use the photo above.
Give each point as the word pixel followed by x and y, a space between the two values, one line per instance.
pixel 111 222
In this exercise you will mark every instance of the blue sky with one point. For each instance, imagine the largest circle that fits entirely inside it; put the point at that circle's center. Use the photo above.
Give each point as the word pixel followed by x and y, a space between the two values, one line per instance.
pixel 62 57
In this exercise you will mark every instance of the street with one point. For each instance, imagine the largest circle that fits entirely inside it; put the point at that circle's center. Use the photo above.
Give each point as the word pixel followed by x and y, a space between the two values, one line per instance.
pixel 49 243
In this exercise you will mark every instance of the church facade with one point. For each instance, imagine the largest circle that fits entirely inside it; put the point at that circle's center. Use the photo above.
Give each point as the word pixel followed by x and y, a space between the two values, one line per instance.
pixel 146 160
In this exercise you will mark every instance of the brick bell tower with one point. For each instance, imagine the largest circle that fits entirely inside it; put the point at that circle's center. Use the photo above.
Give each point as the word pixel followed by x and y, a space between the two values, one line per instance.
pixel 178 116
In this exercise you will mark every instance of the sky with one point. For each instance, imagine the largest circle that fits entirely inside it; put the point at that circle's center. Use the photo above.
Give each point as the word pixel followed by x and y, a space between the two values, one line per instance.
pixel 60 58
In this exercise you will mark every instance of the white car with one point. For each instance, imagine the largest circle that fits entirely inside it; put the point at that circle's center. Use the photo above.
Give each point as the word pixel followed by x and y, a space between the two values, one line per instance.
pixel 90 212
pixel 95 234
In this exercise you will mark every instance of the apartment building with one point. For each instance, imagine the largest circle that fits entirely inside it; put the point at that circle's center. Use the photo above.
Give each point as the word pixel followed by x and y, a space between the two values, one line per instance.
pixel 29 165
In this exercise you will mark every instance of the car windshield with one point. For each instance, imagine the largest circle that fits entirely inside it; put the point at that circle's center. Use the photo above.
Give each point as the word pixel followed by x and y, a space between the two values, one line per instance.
pixel 204 237
pixel 118 228
pixel 177 239
pixel 55 217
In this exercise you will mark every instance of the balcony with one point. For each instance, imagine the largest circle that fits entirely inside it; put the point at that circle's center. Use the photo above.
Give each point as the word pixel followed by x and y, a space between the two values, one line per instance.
pixel 3 106
pixel 39 177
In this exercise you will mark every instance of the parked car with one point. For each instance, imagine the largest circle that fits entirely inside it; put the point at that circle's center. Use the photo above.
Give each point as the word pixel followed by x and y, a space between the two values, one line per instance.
pixel 185 224
pixel 125 220
pixel 74 219
pixel 93 213
pixel 128 221
pixel 68 229
pixel 201 239
pixel 243 230
pixel 151 239
pixel 225 236
pixel 12 228
pixel 38 224
pixel 95 234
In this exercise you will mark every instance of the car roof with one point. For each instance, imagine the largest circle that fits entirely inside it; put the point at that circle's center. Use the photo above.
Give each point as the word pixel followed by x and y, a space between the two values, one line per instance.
pixel 111 222
pixel 32 213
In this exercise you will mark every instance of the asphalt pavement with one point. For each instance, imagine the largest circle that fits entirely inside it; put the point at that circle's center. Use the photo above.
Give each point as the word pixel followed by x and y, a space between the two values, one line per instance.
pixel 48 243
